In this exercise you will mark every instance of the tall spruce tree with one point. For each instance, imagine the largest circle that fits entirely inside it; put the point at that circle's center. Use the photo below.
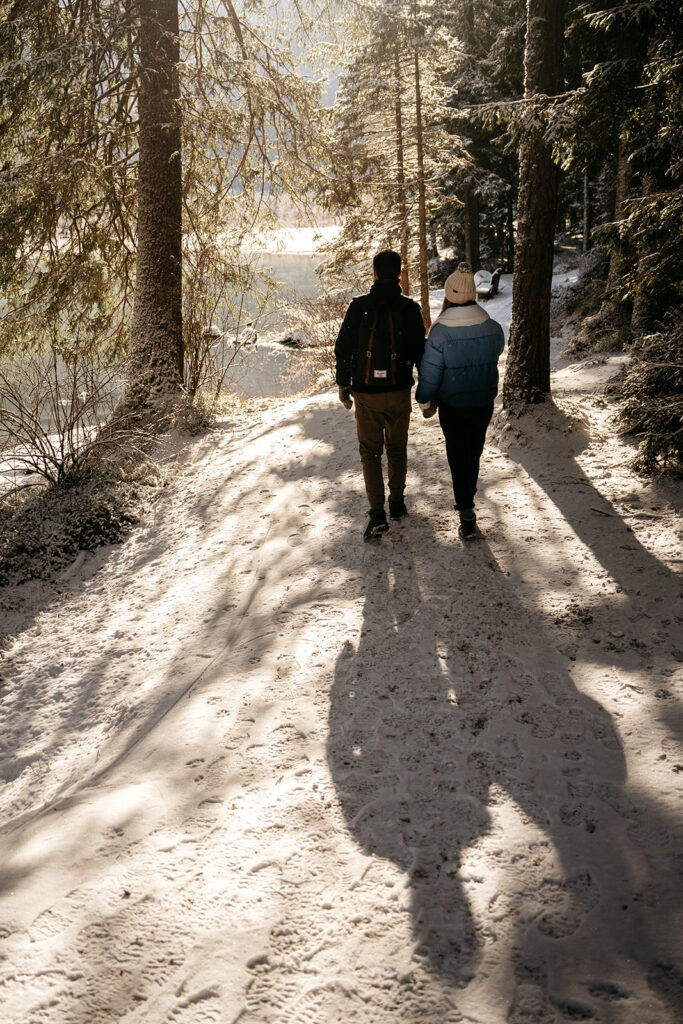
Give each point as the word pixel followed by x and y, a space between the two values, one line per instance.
pixel 421 192
pixel 155 354
pixel 527 375
pixel 470 193
pixel 92 96
pixel 484 75
pixel 385 122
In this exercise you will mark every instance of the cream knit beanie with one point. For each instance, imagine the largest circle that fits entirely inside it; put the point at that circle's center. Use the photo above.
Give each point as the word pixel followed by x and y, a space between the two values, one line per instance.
pixel 460 286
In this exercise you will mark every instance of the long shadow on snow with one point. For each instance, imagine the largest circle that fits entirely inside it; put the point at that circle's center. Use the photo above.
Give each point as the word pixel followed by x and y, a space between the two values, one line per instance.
pixel 496 712
pixel 83 704
pixel 419 784
pixel 431 720
pixel 602 530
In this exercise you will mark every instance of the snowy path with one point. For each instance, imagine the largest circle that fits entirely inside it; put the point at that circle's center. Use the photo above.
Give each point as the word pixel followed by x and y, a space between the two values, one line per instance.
pixel 257 771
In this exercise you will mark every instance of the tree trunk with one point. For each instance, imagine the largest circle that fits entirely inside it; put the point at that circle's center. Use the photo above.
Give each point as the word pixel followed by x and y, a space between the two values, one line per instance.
pixel 645 308
pixel 468 25
pixel 527 377
pixel 586 214
pixel 155 358
pixel 421 203
pixel 472 254
pixel 510 234
pixel 617 263
pixel 471 199
pixel 401 178
pixel 610 327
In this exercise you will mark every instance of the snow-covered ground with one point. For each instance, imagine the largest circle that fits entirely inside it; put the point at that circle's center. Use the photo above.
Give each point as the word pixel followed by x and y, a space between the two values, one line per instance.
pixel 256 771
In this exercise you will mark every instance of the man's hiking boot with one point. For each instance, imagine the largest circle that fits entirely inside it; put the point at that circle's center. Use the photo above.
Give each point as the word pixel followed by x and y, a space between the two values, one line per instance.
pixel 377 524
pixel 397 508
pixel 468 524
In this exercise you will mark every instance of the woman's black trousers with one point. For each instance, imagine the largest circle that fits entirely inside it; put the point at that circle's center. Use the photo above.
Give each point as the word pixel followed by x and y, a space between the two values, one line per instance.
pixel 465 433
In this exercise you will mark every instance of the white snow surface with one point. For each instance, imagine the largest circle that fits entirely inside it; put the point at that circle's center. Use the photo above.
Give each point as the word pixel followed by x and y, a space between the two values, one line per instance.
pixel 257 771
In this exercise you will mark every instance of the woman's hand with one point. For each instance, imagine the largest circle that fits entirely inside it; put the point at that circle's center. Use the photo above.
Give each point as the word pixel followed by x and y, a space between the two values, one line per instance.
pixel 428 408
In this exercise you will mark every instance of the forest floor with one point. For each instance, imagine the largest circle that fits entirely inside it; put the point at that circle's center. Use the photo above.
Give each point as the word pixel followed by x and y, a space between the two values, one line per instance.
pixel 257 771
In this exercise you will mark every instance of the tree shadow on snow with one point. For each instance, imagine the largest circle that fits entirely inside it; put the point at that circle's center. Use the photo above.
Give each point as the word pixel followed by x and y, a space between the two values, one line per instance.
pixel 454 702
pixel 636 571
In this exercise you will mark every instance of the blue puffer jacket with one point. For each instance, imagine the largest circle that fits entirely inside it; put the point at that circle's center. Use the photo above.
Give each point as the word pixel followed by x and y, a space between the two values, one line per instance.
pixel 460 362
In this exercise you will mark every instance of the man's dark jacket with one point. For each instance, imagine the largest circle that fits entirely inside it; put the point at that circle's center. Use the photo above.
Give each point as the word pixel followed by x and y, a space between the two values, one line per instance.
pixel 409 331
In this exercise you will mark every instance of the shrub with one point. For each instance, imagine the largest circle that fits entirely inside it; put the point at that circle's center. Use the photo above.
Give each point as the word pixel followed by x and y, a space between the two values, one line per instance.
pixel 51 411
pixel 42 532
pixel 651 388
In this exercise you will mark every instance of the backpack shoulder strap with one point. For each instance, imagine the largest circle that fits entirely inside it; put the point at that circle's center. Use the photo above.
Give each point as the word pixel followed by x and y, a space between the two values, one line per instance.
pixel 368 352
pixel 392 341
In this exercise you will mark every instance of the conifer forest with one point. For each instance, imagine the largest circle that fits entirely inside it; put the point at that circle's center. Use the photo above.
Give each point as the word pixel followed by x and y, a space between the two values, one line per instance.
pixel 253 769
pixel 142 143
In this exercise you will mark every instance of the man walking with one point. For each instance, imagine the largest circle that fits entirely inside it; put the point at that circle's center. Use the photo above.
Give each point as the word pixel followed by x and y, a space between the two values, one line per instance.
pixel 381 339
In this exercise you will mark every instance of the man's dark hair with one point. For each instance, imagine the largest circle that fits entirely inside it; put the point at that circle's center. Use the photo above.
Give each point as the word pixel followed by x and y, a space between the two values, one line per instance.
pixel 387 264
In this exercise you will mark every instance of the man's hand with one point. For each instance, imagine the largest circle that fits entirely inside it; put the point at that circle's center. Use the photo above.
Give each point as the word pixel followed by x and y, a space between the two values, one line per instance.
pixel 428 408
pixel 345 397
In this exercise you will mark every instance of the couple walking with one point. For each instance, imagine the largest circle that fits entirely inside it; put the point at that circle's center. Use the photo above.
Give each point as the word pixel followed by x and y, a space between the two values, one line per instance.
pixel 380 341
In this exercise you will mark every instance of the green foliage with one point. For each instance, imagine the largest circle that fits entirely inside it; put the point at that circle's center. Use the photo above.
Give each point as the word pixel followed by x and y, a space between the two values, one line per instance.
pixel 485 78
pixel 652 233
pixel 67 142
pixel 68 153
pixel 470 73
pixel 652 391
pixel 630 67
pixel 380 41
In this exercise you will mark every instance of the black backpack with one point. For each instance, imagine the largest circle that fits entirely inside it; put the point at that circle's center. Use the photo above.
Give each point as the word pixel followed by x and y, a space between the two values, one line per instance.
pixel 380 353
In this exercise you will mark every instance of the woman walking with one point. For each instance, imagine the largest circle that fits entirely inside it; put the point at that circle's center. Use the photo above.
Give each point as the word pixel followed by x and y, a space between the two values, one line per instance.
pixel 459 371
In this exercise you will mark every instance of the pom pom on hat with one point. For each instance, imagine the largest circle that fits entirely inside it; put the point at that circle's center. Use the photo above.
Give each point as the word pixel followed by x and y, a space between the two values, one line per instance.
pixel 460 286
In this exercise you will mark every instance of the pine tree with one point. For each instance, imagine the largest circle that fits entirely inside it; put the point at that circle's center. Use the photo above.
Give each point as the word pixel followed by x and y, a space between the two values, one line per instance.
pixel 155 356
pixel 421 194
pixel 400 174
pixel 383 154
pixel 527 375
pixel 470 194
pixel 484 77
pixel 92 96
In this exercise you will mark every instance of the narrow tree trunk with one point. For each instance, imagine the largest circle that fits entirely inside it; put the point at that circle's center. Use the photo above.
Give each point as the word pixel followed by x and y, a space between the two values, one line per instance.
pixel 421 203
pixel 586 214
pixel 468 25
pixel 155 358
pixel 617 263
pixel 472 253
pixel 645 310
pixel 510 234
pixel 470 197
pixel 610 327
pixel 527 377
pixel 401 178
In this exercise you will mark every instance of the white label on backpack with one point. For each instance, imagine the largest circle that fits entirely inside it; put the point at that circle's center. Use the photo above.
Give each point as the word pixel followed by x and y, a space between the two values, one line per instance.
pixel 380 373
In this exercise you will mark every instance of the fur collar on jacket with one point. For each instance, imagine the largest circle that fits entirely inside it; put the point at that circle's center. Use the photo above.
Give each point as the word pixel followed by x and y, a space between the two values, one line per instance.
pixel 462 316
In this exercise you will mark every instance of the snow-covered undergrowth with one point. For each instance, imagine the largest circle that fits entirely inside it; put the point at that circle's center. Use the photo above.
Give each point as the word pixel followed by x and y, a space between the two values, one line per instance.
pixel 257 771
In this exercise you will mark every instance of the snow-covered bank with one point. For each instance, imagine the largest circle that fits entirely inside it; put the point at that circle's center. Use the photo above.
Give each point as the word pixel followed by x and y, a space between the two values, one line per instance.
pixel 257 771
